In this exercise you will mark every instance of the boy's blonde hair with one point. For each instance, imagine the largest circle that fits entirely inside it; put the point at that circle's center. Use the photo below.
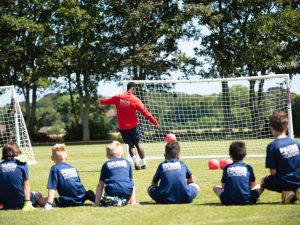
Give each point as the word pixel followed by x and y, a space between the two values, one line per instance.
pixel 114 149
pixel 59 152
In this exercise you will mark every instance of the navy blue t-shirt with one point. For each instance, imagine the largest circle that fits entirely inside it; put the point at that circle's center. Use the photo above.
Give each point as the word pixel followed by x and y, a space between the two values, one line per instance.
pixel 237 178
pixel 116 173
pixel 283 155
pixel 12 176
pixel 173 175
pixel 64 178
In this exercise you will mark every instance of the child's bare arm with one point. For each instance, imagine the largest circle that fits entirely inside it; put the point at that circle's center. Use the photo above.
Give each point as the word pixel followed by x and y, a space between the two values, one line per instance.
pixel 26 188
pixel 99 191
pixel 51 194
pixel 273 172
pixel 253 184
pixel 132 199
pixel 191 180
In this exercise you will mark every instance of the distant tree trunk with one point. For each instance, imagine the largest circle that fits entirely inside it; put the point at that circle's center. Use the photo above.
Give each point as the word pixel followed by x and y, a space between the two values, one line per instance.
pixel 228 120
pixel 73 109
pixel 26 91
pixel 84 104
pixel 33 109
pixel 255 106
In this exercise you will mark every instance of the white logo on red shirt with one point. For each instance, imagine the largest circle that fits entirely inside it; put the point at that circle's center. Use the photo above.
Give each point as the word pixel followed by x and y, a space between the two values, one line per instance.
pixel 124 102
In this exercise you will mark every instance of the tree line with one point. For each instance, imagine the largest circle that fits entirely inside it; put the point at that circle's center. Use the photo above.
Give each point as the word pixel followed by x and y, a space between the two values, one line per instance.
pixel 72 45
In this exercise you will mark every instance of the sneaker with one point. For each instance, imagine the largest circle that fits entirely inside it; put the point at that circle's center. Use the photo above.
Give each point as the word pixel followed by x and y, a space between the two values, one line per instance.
pixel 90 195
pixel 143 167
pixel 298 194
pixel 287 196
pixel 137 167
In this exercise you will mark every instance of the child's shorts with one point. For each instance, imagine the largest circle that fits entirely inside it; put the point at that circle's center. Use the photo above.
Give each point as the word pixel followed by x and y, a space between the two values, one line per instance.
pixel 156 196
pixel 32 199
pixel 274 183
pixel 254 195
pixel 131 136
pixel 59 202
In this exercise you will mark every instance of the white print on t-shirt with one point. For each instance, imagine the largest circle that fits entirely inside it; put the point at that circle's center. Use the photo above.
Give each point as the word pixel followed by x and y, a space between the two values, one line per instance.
pixel 8 167
pixel 114 164
pixel 69 173
pixel 237 171
pixel 289 151
pixel 171 166
pixel 124 102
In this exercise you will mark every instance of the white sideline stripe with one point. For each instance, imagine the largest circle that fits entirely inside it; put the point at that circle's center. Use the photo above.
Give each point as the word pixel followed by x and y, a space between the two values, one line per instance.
pixel 200 157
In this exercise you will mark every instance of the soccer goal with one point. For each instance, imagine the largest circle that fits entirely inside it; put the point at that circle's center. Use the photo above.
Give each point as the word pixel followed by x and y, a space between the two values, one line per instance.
pixel 207 115
pixel 12 124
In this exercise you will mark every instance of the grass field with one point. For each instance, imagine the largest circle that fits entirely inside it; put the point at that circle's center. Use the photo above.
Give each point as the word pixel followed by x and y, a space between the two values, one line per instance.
pixel 205 209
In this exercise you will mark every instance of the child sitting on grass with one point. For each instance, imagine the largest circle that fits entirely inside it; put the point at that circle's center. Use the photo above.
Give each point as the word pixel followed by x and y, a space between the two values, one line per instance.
pixel 173 182
pixel 238 180
pixel 283 160
pixel 64 178
pixel 116 177
pixel 14 180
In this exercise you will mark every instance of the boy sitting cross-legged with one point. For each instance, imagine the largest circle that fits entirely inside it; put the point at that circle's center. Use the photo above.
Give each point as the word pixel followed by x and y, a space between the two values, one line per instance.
pixel 283 160
pixel 173 182
pixel 116 177
pixel 14 180
pixel 64 178
pixel 238 180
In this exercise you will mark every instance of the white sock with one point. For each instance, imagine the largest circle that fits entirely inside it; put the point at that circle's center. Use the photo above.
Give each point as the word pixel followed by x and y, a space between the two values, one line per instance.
pixel 135 159
pixel 143 162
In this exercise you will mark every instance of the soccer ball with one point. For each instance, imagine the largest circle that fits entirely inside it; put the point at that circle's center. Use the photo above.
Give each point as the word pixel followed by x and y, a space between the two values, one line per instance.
pixel 213 164
pixel 170 138
pixel 224 162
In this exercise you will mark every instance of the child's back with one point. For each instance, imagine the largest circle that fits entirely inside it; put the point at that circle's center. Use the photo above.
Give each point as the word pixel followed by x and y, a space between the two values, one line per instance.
pixel 64 178
pixel 12 175
pixel 237 178
pixel 176 183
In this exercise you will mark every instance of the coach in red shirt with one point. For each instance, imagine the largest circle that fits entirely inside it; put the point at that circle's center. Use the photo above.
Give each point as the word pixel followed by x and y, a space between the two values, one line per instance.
pixel 127 104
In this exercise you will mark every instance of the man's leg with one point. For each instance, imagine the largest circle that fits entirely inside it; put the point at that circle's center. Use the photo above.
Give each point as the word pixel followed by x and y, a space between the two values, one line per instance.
pixel 141 152
pixel 132 153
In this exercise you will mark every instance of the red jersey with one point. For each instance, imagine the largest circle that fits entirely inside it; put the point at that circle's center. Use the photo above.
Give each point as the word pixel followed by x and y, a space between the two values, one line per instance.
pixel 127 104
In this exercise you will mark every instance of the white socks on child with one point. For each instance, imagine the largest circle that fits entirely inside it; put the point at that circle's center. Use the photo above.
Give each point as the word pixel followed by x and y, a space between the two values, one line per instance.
pixel 135 159
pixel 143 162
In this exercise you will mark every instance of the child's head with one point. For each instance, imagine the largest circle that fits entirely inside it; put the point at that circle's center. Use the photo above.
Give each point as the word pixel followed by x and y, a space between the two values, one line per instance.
pixel 172 150
pixel 279 121
pixel 237 150
pixel 114 150
pixel 10 150
pixel 59 153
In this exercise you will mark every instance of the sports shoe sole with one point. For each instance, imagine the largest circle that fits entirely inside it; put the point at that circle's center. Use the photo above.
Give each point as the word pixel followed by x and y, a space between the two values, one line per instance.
pixel 298 194
pixel 287 196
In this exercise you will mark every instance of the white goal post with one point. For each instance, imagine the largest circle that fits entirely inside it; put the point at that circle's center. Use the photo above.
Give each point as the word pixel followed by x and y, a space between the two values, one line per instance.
pixel 12 124
pixel 207 115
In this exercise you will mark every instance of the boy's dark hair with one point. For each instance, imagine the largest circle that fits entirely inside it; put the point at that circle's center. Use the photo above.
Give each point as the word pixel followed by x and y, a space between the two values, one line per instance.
pixel 172 150
pixel 131 85
pixel 279 121
pixel 10 150
pixel 237 150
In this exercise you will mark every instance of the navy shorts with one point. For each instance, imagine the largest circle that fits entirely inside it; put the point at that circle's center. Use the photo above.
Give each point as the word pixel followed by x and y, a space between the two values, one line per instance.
pixel 156 196
pixel 131 136
pixel 274 183
pixel 254 195
pixel 59 202
pixel 32 199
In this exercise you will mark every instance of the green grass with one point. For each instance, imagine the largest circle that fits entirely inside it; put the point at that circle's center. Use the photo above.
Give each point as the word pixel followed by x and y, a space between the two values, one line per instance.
pixel 205 209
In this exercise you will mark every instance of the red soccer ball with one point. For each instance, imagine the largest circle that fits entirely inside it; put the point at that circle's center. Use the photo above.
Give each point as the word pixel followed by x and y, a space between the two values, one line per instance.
pixel 213 164
pixel 224 162
pixel 170 138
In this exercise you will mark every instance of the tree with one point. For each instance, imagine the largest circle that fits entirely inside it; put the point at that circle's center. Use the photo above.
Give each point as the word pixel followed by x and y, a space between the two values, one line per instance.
pixel 145 35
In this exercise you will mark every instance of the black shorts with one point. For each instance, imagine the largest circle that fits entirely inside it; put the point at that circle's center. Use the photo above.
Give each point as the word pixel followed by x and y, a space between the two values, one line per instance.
pixel 131 136
pixel 61 203
pixel 254 195
pixel 274 183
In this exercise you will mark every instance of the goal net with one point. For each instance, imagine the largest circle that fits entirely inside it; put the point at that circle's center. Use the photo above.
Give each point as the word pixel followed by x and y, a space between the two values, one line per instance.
pixel 207 115
pixel 12 124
